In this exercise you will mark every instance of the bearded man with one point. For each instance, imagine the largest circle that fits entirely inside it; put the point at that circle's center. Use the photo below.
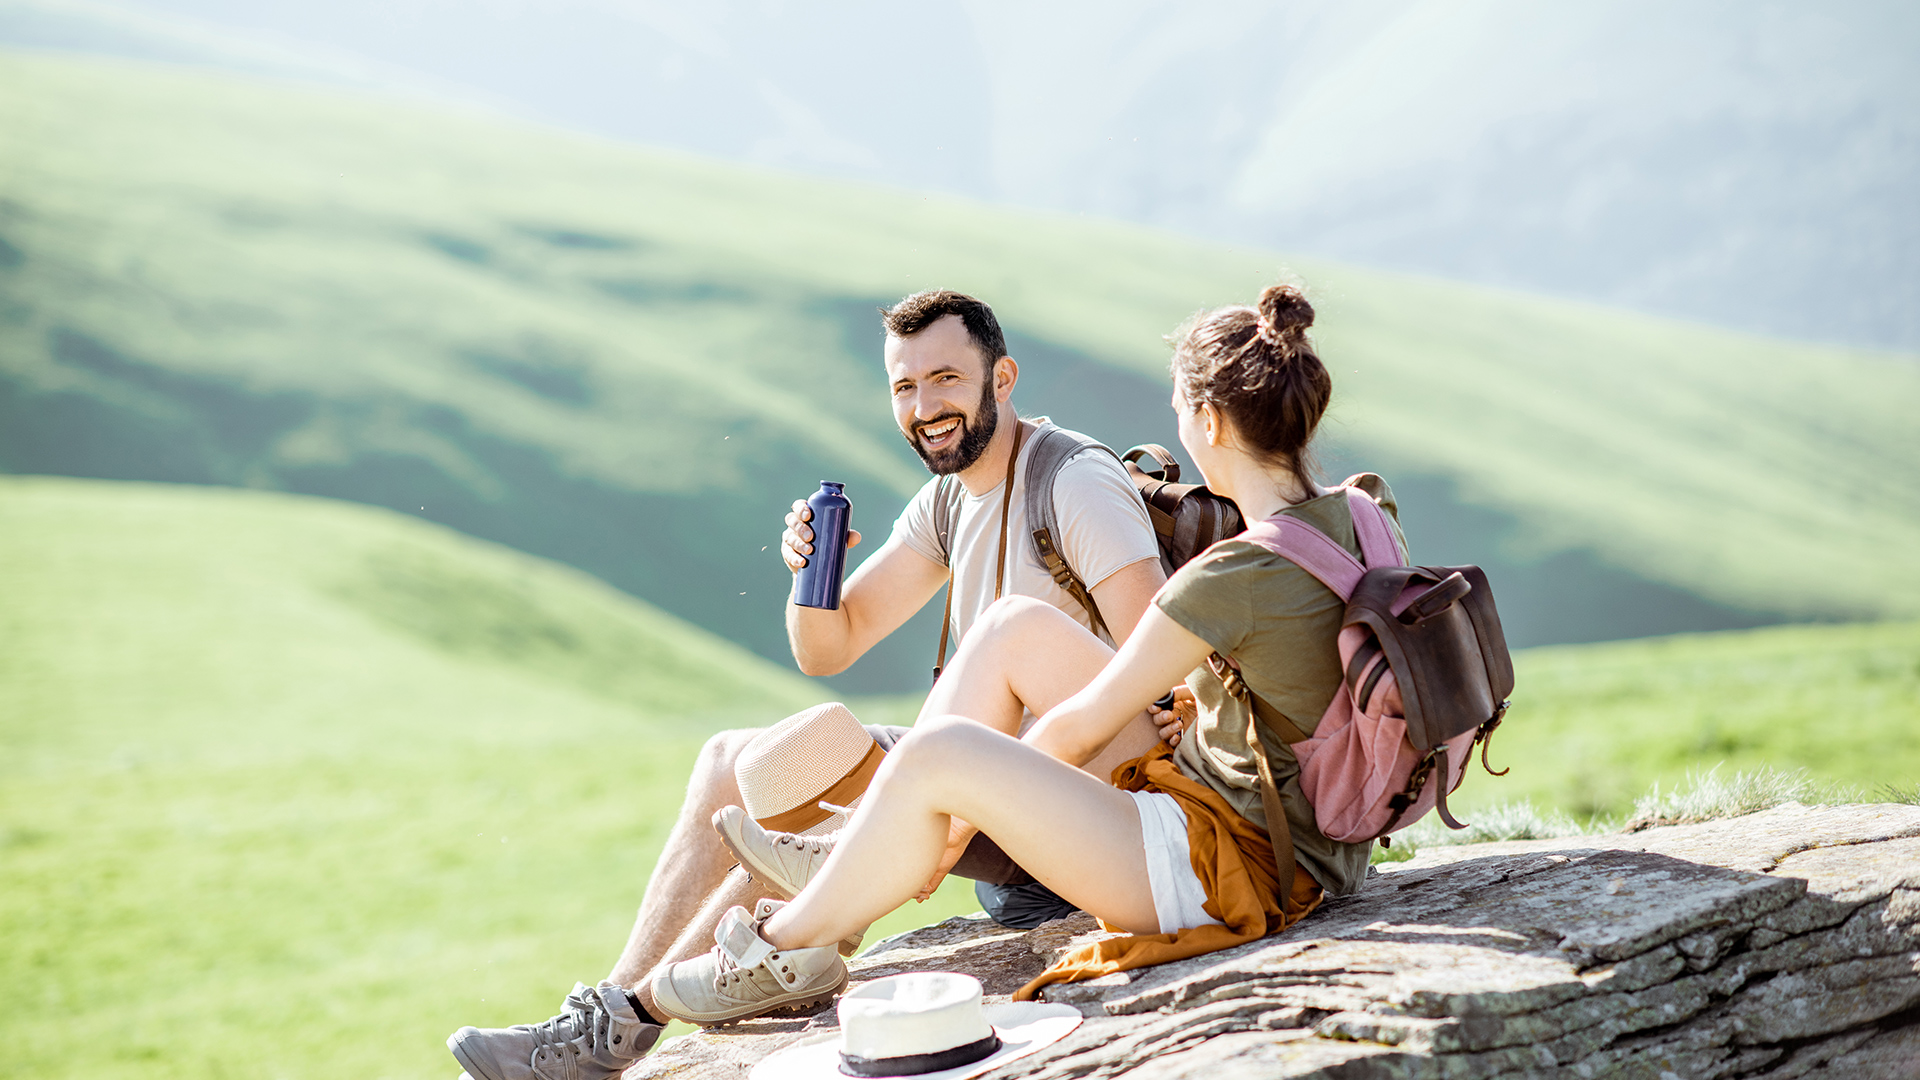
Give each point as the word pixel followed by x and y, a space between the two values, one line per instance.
pixel 951 383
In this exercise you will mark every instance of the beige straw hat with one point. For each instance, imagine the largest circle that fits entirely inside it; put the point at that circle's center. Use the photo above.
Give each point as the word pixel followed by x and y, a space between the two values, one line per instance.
pixel 821 755
pixel 925 1024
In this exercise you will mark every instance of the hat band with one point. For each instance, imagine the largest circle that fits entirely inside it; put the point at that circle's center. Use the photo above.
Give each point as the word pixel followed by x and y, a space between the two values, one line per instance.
pixel 915 1064
pixel 844 790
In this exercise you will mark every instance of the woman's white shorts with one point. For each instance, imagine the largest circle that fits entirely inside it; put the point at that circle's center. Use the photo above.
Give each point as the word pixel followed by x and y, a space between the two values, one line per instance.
pixel 1177 892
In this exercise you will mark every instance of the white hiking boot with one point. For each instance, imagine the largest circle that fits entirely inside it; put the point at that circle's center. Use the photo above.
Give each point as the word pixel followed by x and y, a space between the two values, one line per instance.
pixel 745 976
pixel 595 1037
pixel 783 862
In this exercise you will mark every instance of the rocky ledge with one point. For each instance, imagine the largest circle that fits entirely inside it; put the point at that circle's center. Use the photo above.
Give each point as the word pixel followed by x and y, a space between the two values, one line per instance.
pixel 1782 944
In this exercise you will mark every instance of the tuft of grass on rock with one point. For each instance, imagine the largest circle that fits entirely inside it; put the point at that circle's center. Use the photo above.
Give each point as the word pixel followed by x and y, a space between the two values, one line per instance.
pixel 1709 796
pixel 1908 794
pixel 1703 796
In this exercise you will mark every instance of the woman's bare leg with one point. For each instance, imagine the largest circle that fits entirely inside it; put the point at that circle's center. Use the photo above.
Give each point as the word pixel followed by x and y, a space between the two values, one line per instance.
pixel 1073 832
pixel 1027 653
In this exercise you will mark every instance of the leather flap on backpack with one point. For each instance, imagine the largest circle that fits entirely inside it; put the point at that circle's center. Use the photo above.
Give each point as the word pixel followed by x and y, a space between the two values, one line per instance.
pixel 1452 666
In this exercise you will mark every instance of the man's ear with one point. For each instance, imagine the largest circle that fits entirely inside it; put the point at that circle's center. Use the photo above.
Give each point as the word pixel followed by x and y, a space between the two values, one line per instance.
pixel 1006 372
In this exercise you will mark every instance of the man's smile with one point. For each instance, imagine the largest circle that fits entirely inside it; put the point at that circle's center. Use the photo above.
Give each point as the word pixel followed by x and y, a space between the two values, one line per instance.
pixel 939 434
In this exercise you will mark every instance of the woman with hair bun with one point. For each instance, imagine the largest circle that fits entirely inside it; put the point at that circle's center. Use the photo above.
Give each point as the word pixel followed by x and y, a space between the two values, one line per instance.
pixel 1175 850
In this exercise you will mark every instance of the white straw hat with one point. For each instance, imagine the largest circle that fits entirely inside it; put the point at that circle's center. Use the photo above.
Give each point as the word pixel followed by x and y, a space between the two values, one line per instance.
pixel 820 755
pixel 925 1024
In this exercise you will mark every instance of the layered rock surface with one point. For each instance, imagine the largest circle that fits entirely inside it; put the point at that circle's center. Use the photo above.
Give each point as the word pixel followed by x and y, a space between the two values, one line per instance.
pixel 1779 945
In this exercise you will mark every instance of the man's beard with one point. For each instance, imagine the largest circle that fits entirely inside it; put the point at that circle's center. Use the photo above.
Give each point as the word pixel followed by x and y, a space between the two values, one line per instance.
pixel 973 439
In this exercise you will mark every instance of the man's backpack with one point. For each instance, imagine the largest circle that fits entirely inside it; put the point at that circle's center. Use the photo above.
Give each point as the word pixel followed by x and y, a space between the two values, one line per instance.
pixel 1426 676
pixel 1187 518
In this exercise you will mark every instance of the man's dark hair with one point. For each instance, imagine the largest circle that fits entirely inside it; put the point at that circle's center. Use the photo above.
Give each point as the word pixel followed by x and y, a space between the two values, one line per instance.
pixel 923 309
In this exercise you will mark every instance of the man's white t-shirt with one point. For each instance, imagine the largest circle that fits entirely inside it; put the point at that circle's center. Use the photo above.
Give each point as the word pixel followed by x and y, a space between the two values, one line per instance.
pixel 1103 527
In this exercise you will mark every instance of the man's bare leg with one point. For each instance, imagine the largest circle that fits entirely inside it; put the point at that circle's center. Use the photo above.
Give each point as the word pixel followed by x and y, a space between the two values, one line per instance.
pixel 692 865
pixel 696 939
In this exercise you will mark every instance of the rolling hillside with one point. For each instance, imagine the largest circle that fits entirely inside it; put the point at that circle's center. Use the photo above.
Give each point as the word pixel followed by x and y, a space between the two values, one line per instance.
pixel 294 787
pixel 631 360
pixel 154 622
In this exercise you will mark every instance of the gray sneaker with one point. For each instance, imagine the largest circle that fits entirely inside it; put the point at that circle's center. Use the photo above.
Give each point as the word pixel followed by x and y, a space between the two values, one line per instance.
pixel 595 1037
pixel 783 862
pixel 745 976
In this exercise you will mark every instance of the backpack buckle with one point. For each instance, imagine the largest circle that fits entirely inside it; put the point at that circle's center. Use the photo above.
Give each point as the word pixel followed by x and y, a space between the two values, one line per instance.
pixel 1484 736
pixel 1229 675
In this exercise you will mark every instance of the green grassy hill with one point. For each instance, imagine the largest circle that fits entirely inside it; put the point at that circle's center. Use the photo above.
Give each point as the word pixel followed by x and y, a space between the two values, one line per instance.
pixel 631 360
pixel 293 787
pixel 1593 727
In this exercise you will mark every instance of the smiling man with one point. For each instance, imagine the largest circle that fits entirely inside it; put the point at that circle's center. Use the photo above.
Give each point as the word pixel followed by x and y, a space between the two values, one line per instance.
pixel 952 385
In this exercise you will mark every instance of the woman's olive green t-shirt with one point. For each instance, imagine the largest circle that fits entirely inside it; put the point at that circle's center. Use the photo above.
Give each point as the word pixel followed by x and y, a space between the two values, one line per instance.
pixel 1281 624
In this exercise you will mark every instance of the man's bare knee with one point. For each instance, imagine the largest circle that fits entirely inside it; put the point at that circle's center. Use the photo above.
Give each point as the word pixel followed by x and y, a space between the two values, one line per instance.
pixel 1013 615
pixel 713 783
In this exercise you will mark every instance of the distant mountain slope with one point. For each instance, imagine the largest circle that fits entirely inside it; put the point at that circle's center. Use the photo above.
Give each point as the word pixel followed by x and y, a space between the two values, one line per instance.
pixel 154 622
pixel 631 360
pixel 1746 162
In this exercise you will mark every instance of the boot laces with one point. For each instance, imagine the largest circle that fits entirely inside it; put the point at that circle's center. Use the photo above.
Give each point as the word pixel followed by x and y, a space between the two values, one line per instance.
pixel 565 1034
pixel 812 845
pixel 727 973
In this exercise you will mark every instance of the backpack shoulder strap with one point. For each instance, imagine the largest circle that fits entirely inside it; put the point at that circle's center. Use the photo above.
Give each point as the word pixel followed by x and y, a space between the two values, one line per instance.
pixel 1052 449
pixel 1310 549
pixel 1318 554
pixel 1370 524
pixel 946 506
pixel 1279 833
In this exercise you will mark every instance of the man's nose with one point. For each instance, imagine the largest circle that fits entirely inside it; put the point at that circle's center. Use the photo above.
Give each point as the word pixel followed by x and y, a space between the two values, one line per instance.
pixel 926 405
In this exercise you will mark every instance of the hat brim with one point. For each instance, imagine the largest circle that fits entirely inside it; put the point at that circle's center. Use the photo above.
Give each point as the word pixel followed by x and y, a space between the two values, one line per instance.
pixel 1023 1026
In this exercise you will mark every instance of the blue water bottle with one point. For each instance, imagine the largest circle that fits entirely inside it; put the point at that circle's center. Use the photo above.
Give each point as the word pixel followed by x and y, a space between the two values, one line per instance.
pixel 817 585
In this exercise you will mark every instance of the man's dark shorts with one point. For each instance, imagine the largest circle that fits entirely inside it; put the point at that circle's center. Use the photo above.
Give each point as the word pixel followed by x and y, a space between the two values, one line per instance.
pixel 1008 894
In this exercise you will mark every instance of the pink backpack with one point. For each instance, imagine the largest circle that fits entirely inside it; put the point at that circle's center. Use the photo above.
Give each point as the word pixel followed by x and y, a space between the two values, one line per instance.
pixel 1426 676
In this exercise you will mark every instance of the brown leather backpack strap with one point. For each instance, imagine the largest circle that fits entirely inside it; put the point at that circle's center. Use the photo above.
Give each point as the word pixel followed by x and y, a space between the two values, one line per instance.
pixel 1278 831
pixel 1271 717
pixel 1006 505
pixel 946 620
pixel 943 532
pixel 1258 713
pixel 1064 577
pixel 1229 675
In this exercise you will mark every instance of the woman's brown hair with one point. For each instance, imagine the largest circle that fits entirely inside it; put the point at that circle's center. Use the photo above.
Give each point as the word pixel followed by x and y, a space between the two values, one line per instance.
pixel 1258 368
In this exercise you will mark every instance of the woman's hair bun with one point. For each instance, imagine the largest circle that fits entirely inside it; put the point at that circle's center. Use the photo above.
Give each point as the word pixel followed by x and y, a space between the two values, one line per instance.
pixel 1284 310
